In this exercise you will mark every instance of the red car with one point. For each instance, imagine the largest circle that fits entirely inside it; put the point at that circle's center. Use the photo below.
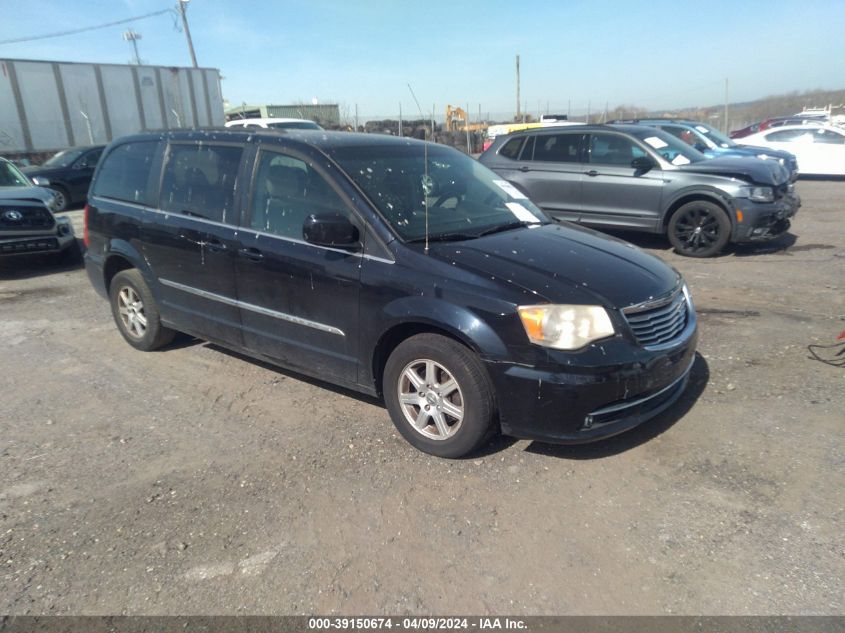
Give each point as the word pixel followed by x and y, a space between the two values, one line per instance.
pixel 776 122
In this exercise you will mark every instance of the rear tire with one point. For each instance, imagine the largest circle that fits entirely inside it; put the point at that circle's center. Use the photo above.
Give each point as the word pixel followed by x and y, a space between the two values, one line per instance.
pixel 135 312
pixel 699 229
pixel 439 396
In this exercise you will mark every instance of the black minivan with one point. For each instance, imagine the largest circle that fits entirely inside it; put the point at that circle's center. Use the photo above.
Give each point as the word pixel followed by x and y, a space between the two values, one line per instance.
pixel 392 267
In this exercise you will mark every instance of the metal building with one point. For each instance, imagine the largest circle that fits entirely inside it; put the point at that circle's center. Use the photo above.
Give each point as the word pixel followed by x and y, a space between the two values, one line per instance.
pixel 51 105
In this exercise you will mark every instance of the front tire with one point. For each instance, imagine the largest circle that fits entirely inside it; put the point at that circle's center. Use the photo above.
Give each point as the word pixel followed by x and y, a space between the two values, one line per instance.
pixel 439 396
pixel 62 198
pixel 699 229
pixel 135 312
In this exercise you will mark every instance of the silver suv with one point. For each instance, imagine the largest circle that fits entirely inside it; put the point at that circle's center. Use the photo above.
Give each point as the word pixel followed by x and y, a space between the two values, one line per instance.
pixel 641 178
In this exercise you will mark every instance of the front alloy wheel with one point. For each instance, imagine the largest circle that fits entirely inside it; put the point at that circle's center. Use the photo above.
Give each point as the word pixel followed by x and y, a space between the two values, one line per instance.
pixel 699 229
pixel 431 399
pixel 439 395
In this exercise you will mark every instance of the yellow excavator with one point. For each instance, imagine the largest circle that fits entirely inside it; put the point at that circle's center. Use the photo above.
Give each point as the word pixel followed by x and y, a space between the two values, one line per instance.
pixel 456 120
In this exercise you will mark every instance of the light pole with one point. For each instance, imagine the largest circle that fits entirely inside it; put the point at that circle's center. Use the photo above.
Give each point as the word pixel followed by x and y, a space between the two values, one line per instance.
pixel 181 4
pixel 132 36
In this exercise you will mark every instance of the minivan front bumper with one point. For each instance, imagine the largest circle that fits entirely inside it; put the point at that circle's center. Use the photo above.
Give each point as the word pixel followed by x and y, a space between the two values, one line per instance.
pixel 568 404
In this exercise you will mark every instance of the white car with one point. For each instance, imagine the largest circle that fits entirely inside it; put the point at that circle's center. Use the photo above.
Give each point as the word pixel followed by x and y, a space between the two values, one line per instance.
pixel 279 124
pixel 820 150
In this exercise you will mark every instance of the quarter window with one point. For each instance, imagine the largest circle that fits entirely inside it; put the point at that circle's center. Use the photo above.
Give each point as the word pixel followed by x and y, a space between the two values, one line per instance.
pixel 511 148
pixel 557 148
pixel 125 174
pixel 286 192
pixel 200 180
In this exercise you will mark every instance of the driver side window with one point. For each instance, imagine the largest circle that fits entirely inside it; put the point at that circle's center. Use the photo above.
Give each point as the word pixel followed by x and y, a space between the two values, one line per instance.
pixel 612 149
pixel 286 191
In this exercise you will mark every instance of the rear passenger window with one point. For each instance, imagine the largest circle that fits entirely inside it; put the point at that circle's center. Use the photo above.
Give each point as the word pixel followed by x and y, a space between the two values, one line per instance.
pixel 557 148
pixel 286 192
pixel 126 172
pixel 199 180
pixel 511 148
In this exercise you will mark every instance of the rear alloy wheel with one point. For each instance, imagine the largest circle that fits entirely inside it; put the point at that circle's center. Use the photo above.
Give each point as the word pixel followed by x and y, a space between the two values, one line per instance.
pixel 438 395
pixel 699 229
pixel 136 313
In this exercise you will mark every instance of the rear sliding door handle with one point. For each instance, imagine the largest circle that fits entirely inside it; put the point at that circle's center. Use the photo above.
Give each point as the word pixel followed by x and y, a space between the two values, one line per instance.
pixel 215 245
pixel 592 173
pixel 252 254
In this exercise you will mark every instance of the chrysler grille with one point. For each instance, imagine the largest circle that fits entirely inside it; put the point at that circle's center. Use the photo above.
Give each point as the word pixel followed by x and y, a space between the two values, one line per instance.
pixel 660 321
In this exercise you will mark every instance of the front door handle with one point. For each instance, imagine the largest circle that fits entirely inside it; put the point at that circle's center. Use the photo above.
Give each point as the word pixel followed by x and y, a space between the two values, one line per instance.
pixel 524 168
pixel 592 173
pixel 252 254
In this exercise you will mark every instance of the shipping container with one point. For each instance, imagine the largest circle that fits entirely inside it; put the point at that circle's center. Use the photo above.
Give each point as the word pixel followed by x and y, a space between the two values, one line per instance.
pixel 47 106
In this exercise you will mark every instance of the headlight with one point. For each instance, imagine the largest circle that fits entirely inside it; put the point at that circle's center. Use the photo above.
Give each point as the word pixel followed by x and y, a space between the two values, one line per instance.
pixel 41 181
pixel 759 194
pixel 565 326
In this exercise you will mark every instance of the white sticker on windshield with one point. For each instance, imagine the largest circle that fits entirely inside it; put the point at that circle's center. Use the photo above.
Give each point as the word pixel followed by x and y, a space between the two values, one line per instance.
pixel 509 189
pixel 680 159
pixel 522 214
pixel 656 143
pixel 702 129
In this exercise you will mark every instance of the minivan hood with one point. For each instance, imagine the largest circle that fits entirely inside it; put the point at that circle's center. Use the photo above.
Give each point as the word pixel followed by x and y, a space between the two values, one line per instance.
pixel 563 263
pixel 763 172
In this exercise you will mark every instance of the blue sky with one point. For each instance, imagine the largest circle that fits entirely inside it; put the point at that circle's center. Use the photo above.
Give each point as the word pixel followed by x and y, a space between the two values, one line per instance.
pixel 653 54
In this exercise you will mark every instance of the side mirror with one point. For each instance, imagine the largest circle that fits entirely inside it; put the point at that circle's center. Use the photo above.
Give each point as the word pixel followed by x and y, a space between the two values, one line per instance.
pixel 80 164
pixel 330 229
pixel 642 164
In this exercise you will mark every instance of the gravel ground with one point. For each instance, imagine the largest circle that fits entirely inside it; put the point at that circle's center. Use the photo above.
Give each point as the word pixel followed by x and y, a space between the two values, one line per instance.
pixel 195 481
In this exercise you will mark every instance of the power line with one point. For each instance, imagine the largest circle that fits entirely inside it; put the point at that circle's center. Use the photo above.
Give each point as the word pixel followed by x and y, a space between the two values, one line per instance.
pixel 83 30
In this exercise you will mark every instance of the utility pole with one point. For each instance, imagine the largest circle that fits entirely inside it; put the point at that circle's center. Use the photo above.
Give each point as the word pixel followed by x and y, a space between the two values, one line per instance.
pixel 181 4
pixel 727 129
pixel 356 117
pixel 132 36
pixel 400 119
pixel 517 88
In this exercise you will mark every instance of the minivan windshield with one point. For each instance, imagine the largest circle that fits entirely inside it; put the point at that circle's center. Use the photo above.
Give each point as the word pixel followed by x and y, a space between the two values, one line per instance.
pixel 672 149
pixel 465 199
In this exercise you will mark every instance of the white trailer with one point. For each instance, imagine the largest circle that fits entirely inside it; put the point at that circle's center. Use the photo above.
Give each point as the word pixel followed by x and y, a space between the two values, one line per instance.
pixel 47 105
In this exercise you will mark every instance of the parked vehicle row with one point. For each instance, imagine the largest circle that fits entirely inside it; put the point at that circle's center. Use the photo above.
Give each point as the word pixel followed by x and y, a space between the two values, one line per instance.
pixel 641 178
pixel 766 124
pixel 394 267
pixel 713 144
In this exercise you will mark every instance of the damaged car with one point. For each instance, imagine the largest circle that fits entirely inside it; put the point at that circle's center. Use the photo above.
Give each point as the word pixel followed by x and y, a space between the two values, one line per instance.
pixel 393 267
pixel 639 178
pixel 27 223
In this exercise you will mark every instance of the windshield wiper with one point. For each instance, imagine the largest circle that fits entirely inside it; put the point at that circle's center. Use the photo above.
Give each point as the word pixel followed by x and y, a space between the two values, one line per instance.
pixel 509 226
